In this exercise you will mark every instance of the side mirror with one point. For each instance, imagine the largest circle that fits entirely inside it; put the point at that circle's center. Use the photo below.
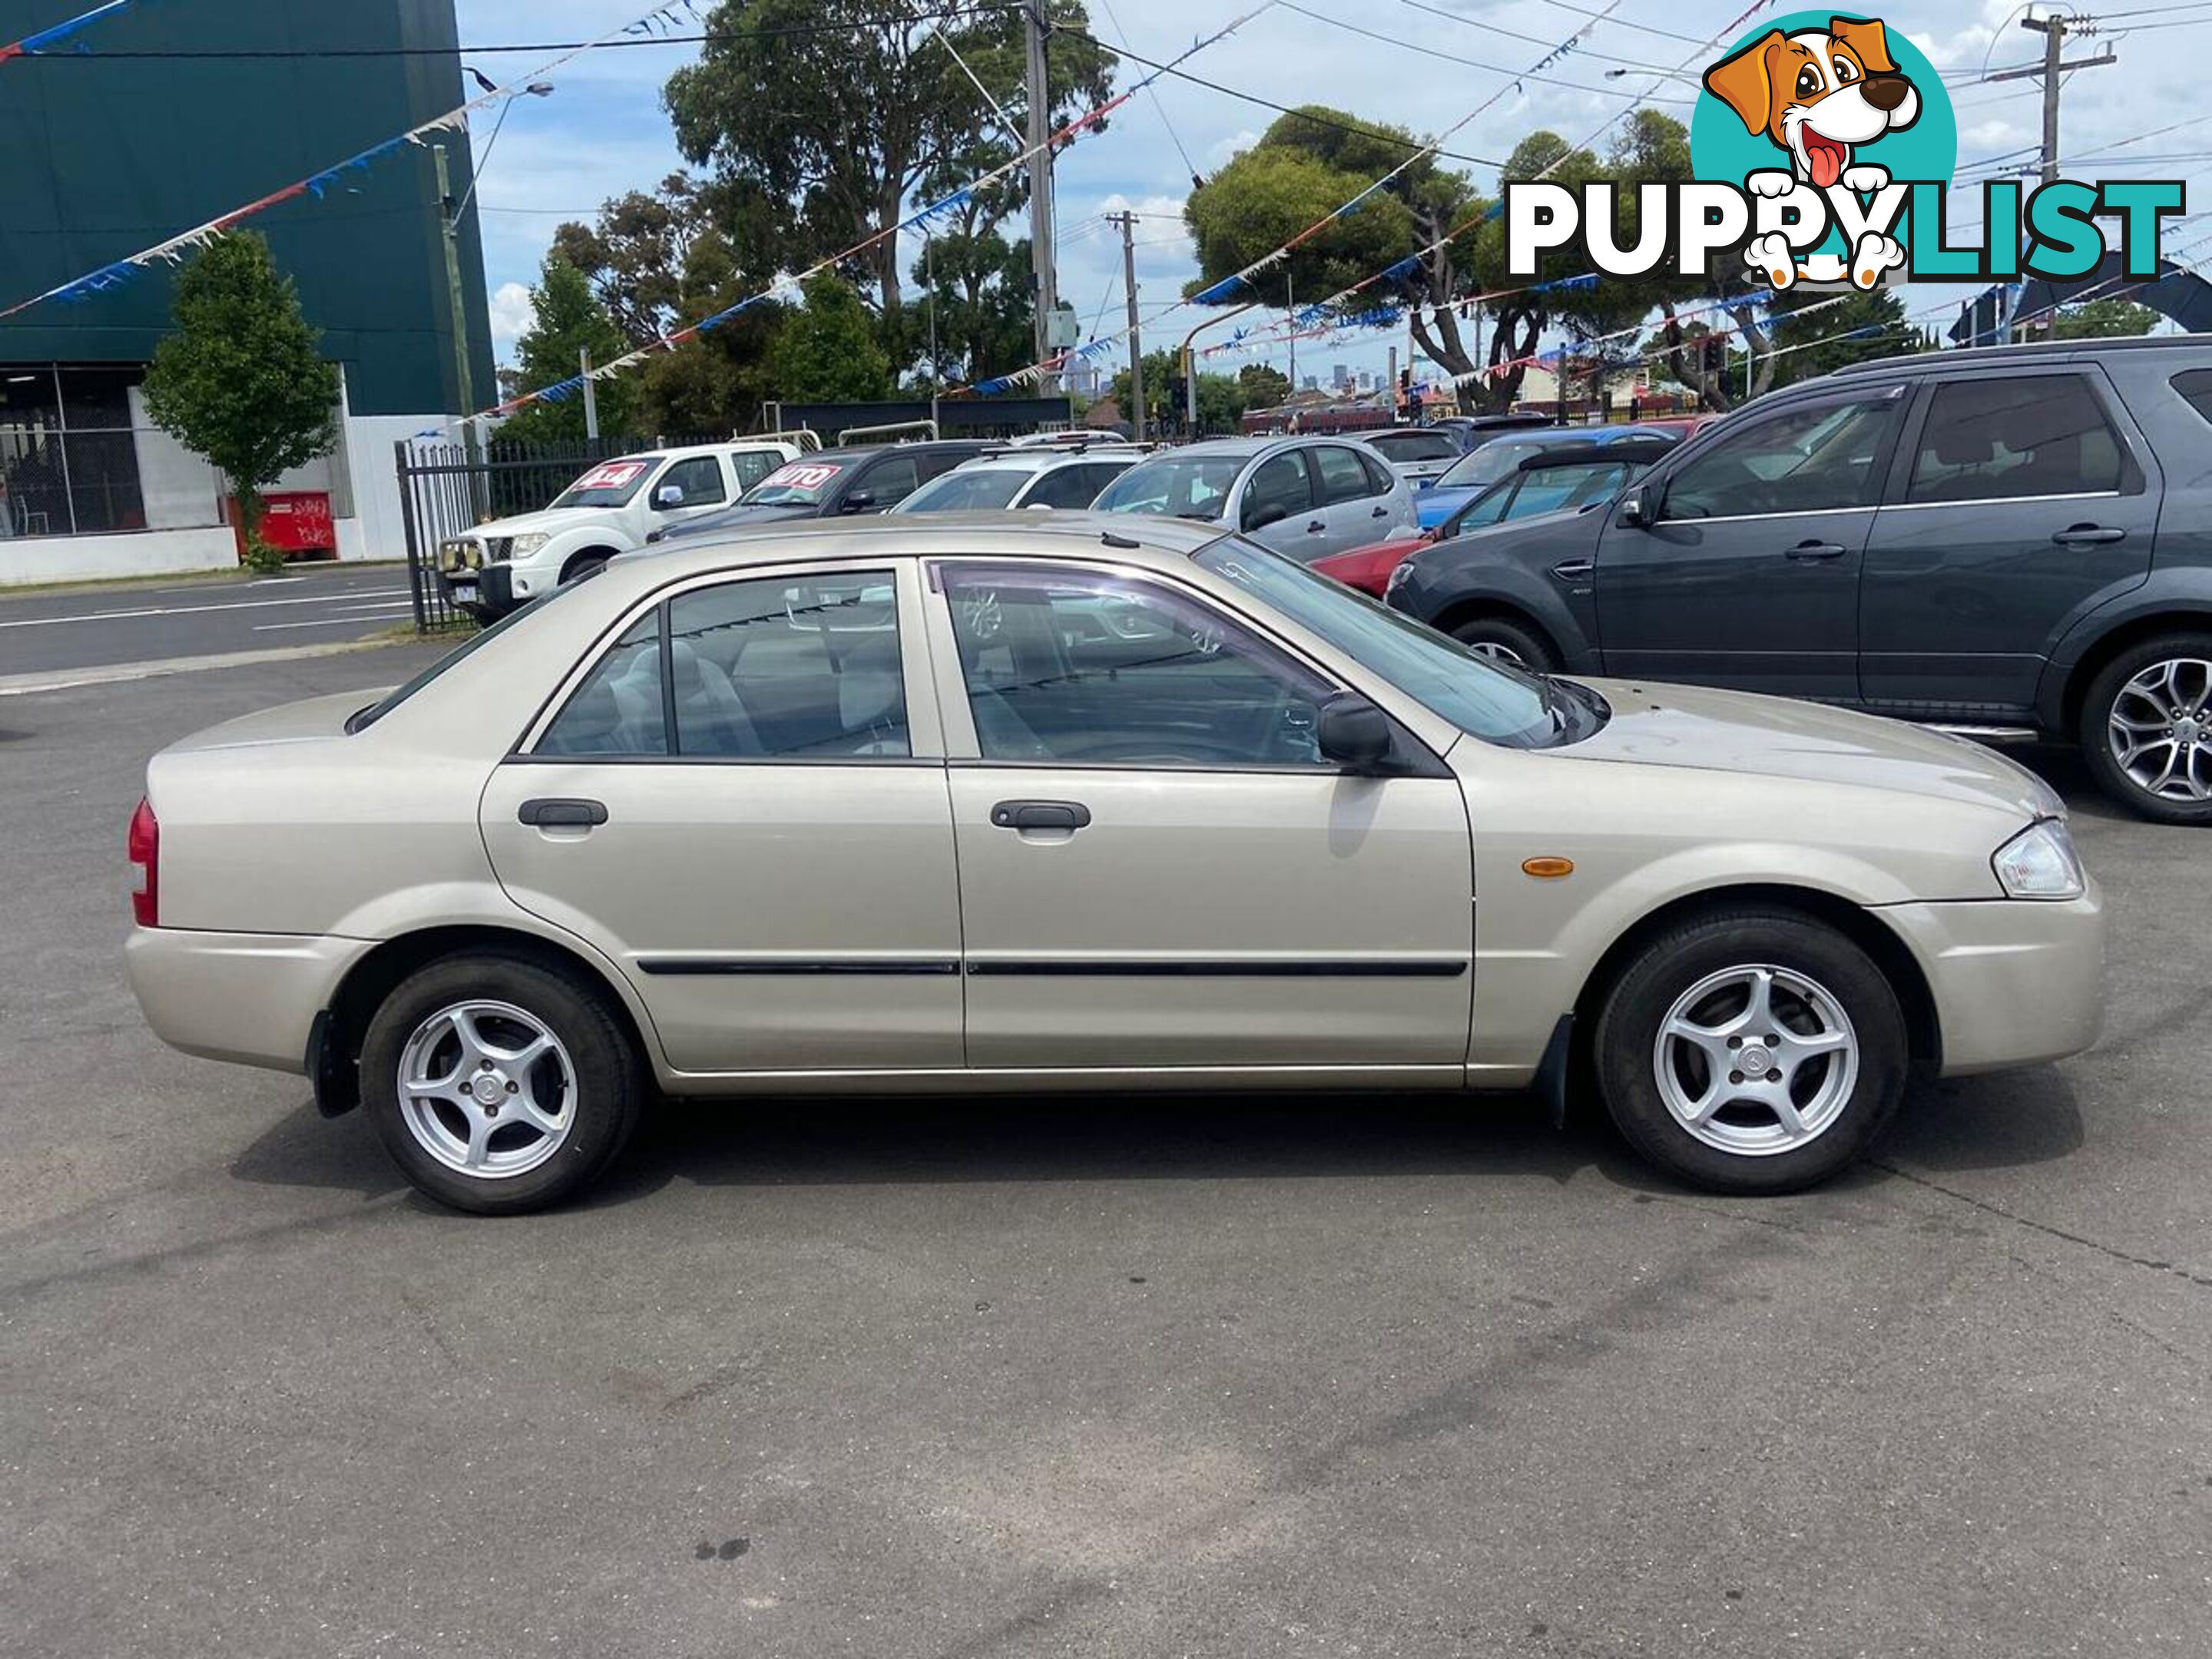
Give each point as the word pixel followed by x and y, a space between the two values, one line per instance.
pixel 668 496
pixel 1633 510
pixel 860 500
pixel 1259 517
pixel 1353 732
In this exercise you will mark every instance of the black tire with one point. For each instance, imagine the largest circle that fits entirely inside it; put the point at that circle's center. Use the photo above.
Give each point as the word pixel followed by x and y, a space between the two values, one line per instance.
pixel 1517 642
pixel 608 1090
pixel 2097 712
pixel 584 567
pixel 1625 1037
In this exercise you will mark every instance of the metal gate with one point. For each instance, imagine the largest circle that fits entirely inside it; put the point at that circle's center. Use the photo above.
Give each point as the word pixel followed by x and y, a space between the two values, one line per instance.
pixel 447 488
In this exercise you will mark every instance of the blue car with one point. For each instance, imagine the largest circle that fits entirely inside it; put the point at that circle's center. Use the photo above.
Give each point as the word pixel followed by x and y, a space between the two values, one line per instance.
pixel 1501 457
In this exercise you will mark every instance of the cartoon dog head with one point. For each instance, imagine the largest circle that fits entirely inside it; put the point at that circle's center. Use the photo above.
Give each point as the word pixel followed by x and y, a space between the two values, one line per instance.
pixel 1818 93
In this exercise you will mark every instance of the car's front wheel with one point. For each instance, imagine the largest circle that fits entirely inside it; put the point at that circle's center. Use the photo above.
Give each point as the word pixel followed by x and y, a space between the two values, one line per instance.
pixel 1508 642
pixel 499 1085
pixel 2147 728
pixel 1751 1051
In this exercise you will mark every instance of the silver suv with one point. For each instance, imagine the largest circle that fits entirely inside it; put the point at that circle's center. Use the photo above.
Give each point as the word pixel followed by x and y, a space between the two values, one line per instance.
pixel 1305 497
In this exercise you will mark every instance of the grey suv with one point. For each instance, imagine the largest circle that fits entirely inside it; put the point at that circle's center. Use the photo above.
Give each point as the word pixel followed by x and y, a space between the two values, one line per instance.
pixel 2012 542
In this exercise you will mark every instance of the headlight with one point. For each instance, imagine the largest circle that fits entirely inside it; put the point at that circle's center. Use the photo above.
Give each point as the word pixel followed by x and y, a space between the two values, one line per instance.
pixel 2040 863
pixel 460 554
pixel 526 545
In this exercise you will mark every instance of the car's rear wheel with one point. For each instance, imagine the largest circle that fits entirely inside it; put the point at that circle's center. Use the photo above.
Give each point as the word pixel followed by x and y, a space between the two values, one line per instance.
pixel 1508 642
pixel 1751 1051
pixel 498 1085
pixel 2147 728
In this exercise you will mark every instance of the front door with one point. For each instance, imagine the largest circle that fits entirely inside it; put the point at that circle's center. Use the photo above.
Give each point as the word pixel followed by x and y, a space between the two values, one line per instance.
pixel 1279 508
pixel 704 486
pixel 1157 868
pixel 742 803
pixel 1747 573
pixel 2027 501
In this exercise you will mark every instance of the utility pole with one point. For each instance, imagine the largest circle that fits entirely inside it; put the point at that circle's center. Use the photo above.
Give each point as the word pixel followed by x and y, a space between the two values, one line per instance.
pixel 1034 24
pixel 2053 30
pixel 1129 223
pixel 449 224
pixel 591 395
pixel 1290 316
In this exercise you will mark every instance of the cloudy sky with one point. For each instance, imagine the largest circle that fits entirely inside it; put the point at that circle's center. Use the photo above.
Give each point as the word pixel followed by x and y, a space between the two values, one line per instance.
pixel 1420 62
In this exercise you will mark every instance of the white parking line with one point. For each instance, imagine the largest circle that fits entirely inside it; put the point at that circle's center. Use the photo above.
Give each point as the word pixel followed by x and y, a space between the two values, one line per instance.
pixel 367 620
pixel 187 609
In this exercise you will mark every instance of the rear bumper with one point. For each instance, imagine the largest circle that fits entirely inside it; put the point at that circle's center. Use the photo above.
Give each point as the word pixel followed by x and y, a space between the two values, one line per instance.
pixel 2015 983
pixel 250 999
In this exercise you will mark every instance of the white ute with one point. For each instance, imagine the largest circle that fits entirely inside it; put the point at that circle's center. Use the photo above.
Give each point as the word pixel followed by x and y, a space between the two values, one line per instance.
pixel 492 569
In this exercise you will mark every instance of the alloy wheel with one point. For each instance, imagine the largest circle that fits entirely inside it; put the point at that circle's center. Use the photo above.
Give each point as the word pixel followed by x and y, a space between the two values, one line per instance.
pixel 487 1089
pixel 1756 1059
pixel 1505 654
pixel 2160 729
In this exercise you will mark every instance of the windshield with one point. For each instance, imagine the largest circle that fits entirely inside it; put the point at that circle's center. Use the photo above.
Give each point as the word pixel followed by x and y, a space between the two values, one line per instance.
pixel 957 492
pixel 802 483
pixel 610 483
pixel 1475 693
pixel 1177 486
pixel 364 718
pixel 1487 464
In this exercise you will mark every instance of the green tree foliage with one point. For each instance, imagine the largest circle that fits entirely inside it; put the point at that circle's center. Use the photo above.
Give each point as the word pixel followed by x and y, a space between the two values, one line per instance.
pixel 978 284
pixel 1809 346
pixel 2103 319
pixel 829 115
pixel 1306 165
pixel 1221 397
pixel 240 382
pixel 568 320
pixel 1265 388
pixel 826 350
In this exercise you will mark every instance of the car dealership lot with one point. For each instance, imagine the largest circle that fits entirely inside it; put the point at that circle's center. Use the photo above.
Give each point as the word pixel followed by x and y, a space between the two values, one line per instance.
pixel 1155 1376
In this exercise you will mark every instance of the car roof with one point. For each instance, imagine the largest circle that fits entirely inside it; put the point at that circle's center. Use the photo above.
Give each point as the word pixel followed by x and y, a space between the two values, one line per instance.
pixel 861 452
pixel 1246 448
pixel 1071 535
pixel 1045 460
pixel 2008 356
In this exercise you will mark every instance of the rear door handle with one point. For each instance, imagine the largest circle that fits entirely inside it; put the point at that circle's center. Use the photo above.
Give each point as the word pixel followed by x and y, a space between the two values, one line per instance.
pixel 1810 550
pixel 1070 815
pixel 2081 535
pixel 1380 513
pixel 562 814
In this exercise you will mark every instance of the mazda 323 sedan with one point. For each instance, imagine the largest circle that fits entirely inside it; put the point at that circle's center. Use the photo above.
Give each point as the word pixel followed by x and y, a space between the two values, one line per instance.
pixel 951 803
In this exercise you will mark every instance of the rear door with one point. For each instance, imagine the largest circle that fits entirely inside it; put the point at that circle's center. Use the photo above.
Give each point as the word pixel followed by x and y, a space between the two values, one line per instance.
pixel 740 801
pixel 1748 575
pixel 2024 499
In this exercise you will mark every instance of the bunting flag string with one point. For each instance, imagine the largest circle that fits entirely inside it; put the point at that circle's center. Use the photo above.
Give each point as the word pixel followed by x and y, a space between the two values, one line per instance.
pixel 787 287
pixel 31 44
pixel 173 250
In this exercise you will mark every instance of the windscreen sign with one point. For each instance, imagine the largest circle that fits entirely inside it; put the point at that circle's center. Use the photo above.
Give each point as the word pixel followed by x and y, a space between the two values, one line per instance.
pixel 1824 148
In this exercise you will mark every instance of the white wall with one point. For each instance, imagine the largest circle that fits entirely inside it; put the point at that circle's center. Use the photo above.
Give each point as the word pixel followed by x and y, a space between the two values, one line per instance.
pixel 25 559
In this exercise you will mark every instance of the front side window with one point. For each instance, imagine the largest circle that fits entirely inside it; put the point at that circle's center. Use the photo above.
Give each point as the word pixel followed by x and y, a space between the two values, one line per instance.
pixel 1070 487
pixel 1280 487
pixel 700 478
pixel 889 481
pixel 1087 668
pixel 767 669
pixel 2020 435
pixel 1819 460
pixel 1174 486
pixel 1342 477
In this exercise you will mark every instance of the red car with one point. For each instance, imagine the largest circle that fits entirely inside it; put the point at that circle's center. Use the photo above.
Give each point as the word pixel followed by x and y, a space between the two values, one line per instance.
pixel 1368 568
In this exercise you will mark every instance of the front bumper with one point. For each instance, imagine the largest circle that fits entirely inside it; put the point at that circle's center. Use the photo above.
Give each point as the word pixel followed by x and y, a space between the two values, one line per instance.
pixel 488 591
pixel 250 999
pixel 2016 981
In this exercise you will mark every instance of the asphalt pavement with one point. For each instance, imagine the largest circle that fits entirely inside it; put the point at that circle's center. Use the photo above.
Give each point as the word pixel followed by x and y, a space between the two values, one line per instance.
pixel 119 623
pixel 1152 1376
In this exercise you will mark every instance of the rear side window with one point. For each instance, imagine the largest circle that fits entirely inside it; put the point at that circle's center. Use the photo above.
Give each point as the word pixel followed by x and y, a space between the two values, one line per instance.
pixel 770 668
pixel 1379 476
pixel 2015 437
pixel 1342 477
pixel 2195 386
pixel 752 466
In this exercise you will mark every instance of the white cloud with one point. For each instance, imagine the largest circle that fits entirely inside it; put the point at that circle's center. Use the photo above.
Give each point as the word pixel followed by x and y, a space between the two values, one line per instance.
pixel 511 315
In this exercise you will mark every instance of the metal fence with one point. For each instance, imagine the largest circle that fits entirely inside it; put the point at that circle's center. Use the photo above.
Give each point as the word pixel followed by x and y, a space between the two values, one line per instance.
pixel 444 488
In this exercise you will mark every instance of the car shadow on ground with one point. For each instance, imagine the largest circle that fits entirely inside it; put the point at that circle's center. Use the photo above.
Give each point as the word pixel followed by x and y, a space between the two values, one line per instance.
pixel 1978 1123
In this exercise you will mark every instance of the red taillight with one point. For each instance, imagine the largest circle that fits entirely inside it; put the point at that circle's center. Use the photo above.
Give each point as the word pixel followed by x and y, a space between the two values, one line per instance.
pixel 145 845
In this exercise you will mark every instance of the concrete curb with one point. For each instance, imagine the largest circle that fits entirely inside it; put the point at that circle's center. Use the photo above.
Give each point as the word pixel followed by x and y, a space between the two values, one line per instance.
pixel 65 679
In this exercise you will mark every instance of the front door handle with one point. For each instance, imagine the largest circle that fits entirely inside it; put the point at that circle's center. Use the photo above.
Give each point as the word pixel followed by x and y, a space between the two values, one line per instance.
pixel 562 814
pixel 1069 815
pixel 2083 535
pixel 1380 513
pixel 1811 550
pixel 1316 527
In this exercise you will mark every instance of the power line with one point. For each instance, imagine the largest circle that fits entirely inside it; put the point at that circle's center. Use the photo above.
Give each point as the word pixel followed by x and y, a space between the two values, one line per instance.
pixel 1281 109
pixel 1158 108
pixel 1512 75
pixel 1488 28
pixel 1641 28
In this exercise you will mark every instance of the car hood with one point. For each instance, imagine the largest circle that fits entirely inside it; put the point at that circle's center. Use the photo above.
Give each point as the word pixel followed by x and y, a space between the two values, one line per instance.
pixel 737 518
pixel 291 722
pixel 1778 736
pixel 551 523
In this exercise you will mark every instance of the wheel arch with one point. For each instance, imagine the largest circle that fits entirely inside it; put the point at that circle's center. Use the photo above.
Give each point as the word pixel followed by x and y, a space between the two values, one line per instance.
pixel 2175 617
pixel 1863 927
pixel 594 551
pixel 335 1049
